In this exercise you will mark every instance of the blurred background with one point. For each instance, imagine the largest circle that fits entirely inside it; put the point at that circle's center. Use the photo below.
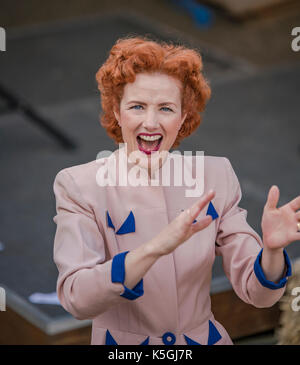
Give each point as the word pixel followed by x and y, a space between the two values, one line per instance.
pixel 49 120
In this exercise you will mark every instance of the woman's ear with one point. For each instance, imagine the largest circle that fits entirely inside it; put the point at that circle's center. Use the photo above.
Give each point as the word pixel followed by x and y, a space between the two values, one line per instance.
pixel 183 119
pixel 117 116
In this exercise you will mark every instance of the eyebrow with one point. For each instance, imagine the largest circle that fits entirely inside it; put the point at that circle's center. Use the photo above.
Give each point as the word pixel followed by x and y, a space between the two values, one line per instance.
pixel 140 102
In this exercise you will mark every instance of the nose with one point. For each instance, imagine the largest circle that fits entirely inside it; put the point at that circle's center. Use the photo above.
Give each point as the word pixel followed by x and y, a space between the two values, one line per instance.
pixel 151 120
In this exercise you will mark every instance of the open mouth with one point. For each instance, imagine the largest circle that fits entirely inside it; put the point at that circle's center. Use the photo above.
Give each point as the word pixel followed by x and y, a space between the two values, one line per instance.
pixel 148 144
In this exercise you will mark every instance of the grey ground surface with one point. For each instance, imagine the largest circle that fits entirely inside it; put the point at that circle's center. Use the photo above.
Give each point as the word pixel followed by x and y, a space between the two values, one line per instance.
pixel 252 118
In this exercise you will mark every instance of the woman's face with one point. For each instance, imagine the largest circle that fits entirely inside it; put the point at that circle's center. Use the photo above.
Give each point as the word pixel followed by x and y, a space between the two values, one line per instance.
pixel 150 108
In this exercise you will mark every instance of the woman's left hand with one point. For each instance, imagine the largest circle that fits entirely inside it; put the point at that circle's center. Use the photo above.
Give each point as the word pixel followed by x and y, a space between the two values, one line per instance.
pixel 279 225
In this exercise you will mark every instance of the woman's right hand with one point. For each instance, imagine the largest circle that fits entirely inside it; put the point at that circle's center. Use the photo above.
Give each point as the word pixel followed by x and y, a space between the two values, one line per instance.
pixel 182 227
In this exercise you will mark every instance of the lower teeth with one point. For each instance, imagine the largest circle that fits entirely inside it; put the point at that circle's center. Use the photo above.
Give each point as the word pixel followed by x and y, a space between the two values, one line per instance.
pixel 149 146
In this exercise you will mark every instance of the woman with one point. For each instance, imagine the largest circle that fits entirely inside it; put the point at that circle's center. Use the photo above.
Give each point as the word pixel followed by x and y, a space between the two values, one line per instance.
pixel 137 258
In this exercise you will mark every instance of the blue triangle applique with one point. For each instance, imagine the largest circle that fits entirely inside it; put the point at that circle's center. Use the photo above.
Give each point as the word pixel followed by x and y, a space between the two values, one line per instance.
pixel 189 341
pixel 109 340
pixel 146 342
pixel 212 211
pixel 214 335
pixel 109 221
pixel 128 226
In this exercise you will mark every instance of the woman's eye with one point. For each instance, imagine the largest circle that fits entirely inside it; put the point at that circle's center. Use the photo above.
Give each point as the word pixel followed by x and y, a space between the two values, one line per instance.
pixel 167 109
pixel 137 107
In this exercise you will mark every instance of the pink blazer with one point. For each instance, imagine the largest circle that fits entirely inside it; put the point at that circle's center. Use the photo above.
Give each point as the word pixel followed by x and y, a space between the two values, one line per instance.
pixel 98 225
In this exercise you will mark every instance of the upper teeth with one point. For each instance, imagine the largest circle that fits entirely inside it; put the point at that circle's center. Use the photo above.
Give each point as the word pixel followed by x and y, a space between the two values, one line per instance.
pixel 150 138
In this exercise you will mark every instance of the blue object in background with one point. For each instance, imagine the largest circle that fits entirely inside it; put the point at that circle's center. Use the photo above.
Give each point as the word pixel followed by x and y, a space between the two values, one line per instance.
pixel 202 15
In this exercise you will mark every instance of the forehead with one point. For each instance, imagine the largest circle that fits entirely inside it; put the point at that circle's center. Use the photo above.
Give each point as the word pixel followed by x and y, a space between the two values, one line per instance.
pixel 156 86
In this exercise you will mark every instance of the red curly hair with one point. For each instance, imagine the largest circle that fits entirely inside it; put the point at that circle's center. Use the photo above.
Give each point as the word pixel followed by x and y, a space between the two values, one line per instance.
pixel 133 55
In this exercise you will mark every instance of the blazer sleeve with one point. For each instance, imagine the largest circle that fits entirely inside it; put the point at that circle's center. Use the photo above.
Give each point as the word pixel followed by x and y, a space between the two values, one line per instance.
pixel 88 283
pixel 241 248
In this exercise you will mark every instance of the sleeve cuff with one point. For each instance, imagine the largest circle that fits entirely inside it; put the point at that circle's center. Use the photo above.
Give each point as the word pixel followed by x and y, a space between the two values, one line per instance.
pixel 118 276
pixel 261 276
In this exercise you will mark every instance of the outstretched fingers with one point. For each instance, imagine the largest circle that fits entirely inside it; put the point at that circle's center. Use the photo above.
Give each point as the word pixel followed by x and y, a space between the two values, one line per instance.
pixel 273 197
pixel 295 237
pixel 295 203
pixel 202 223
